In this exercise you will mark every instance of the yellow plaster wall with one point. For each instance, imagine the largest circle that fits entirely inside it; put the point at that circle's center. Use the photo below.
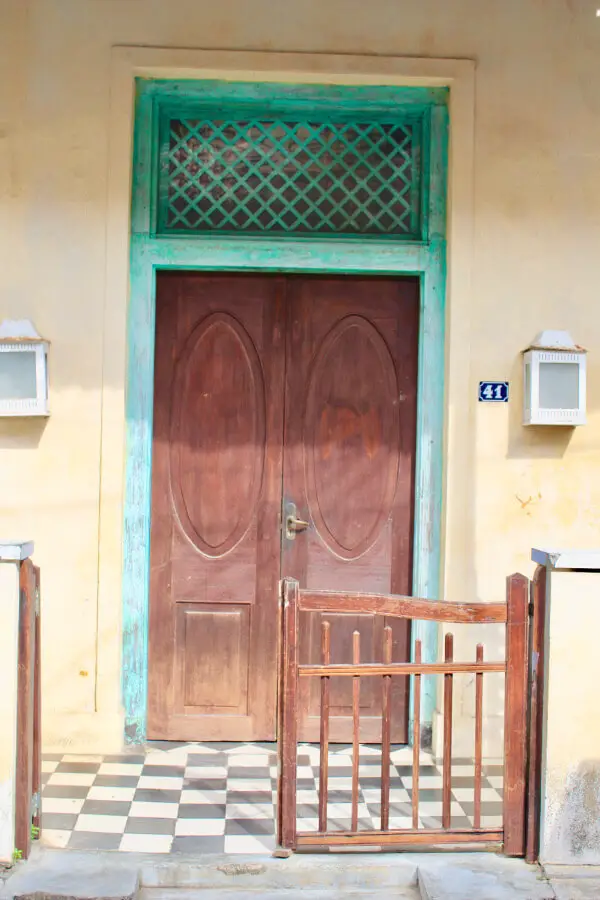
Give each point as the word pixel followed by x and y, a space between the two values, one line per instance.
pixel 535 264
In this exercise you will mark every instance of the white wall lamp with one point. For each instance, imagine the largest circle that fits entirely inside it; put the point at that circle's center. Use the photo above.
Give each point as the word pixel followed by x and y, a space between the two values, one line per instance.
pixel 23 370
pixel 554 380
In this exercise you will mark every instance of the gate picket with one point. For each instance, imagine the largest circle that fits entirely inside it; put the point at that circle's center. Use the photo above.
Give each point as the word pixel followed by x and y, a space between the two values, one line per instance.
pixel 416 740
pixel 324 730
pixel 355 729
pixel 478 740
pixel 386 731
pixel 447 763
pixel 286 813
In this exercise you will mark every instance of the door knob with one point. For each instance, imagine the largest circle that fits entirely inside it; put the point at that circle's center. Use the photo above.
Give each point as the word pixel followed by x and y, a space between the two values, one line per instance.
pixel 293 525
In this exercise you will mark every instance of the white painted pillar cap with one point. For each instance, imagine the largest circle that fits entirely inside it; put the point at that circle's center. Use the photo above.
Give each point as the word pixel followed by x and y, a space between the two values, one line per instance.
pixel 587 560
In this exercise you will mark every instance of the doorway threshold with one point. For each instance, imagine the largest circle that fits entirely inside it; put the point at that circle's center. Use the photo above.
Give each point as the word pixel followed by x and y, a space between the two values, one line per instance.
pixel 221 798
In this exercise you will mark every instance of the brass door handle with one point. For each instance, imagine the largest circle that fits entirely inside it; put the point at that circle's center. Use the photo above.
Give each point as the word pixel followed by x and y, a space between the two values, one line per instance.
pixel 293 525
pixel 296 525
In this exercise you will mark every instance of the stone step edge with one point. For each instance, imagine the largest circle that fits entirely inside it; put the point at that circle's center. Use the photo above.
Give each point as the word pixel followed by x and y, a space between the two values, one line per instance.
pixel 341 871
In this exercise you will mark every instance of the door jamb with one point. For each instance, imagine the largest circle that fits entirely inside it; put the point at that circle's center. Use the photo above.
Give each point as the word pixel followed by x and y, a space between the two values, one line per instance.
pixel 150 254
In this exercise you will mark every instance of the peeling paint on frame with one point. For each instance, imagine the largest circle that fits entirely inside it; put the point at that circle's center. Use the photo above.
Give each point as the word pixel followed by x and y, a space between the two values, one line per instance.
pixel 150 253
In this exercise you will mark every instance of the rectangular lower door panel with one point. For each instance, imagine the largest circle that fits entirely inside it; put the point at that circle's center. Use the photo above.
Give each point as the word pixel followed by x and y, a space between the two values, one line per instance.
pixel 216 680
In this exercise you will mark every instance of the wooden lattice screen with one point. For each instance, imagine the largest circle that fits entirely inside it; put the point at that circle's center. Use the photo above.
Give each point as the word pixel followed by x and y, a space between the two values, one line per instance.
pixel 279 176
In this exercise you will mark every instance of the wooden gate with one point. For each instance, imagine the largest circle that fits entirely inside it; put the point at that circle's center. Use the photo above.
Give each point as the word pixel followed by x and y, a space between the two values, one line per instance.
pixel 513 613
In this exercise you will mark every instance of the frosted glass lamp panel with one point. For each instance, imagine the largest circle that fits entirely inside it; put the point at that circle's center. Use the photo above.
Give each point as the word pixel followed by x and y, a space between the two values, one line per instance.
pixel 18 375
pixel 527 385
pixel 559 385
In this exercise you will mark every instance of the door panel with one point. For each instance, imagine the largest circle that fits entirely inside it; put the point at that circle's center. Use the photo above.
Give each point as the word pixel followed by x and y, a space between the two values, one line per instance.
pixel 218 376
pixel 342 353
pixel 215 545
pixel 349 440
pixel 214 682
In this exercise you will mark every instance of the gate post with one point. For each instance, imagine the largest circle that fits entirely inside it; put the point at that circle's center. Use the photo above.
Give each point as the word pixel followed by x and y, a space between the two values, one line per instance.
pixel 16 698
pixel 536 714
pixel 288 731
pixel 515 713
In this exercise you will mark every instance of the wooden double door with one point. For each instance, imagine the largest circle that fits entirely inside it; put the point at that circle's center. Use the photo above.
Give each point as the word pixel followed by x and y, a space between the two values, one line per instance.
pixel 283 445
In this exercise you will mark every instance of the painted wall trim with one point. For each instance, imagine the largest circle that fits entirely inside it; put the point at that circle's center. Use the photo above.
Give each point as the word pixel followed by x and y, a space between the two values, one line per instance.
pixel 131 62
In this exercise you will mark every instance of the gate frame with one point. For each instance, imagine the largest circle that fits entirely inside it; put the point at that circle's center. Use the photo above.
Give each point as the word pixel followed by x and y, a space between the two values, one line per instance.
pixel 514 613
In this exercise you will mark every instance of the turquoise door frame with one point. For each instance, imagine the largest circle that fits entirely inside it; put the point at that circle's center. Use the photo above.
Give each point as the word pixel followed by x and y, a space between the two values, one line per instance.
pixel 151 253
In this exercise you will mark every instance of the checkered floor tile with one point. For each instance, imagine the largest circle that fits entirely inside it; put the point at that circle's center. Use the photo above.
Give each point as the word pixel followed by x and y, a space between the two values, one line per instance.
pixel 220 798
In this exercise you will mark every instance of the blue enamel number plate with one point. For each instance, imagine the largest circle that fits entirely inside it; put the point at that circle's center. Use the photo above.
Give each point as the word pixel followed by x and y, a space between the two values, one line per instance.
pixel 493 391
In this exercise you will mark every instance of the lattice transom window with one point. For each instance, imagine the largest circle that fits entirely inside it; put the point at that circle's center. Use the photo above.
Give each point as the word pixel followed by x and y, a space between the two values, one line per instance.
pixel 277 176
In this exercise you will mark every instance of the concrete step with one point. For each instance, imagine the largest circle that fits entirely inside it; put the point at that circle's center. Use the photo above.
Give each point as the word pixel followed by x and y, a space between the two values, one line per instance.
pixel 73 875
pixel 362 872
pixel 481 877
pixel 402 893
pixel 574 882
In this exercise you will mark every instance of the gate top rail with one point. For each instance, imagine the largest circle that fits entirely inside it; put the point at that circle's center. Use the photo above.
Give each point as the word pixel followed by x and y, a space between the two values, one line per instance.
pixel 401 607
pixel 441 668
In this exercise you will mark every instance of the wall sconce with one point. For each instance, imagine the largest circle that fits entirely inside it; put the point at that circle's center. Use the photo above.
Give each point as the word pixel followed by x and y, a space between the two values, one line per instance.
pixel 23 370
pixel 554 380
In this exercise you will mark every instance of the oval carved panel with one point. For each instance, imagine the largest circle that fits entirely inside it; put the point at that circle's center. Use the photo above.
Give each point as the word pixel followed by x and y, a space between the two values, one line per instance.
pixel 351 437
pixel 217 435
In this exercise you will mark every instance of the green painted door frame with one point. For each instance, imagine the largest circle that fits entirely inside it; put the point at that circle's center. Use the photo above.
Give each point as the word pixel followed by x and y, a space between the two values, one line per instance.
pixel 151 252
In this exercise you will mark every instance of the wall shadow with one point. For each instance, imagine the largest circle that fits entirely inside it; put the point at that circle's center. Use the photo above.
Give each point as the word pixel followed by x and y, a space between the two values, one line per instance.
pixel 22 432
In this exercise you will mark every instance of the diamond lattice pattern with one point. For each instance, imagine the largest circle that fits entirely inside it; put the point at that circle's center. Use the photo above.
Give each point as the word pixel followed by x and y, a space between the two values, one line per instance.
pixel 282 177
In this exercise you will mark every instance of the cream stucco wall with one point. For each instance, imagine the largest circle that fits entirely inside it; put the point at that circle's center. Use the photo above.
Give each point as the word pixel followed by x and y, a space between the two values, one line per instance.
pixel 534 264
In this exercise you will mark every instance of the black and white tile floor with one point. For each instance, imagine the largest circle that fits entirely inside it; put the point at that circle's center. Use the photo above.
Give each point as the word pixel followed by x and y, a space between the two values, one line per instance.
pixel 220 798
